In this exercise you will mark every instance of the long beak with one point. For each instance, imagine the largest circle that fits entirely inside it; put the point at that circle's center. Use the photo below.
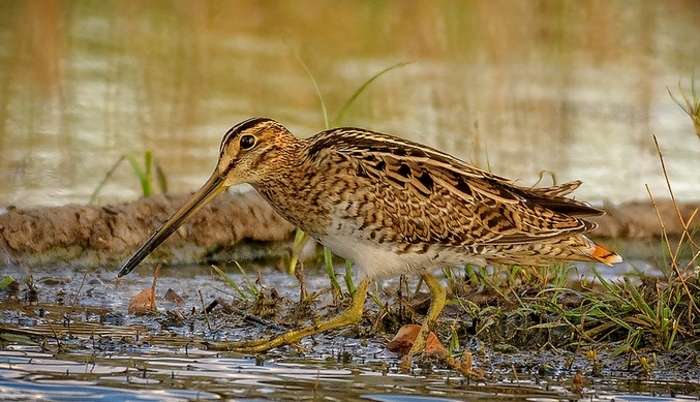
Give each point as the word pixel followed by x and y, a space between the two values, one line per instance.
pixel 209 190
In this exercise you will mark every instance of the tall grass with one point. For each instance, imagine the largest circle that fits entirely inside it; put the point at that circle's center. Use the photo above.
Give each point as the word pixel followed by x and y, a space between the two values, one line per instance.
pixel 143 172
pixel 689 103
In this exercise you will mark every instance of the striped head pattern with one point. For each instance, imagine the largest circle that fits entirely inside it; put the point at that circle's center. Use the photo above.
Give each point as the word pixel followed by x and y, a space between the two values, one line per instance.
pixel 250 150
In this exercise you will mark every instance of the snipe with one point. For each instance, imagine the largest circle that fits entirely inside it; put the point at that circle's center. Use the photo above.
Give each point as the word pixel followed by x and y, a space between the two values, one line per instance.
pixel 392 206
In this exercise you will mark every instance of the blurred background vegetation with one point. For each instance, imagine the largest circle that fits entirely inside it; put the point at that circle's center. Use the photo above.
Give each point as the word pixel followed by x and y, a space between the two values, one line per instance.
pixel 519 87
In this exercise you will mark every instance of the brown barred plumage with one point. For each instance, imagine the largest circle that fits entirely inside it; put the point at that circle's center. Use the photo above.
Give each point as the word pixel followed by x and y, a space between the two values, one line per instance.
pixel 391 206
pixel 367 194
pixel 381 200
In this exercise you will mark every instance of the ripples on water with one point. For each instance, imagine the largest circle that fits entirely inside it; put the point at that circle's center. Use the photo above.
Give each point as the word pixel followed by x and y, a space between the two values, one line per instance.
pixel 116 367
pixel 573 88
pixel 569 87
pixel 170 376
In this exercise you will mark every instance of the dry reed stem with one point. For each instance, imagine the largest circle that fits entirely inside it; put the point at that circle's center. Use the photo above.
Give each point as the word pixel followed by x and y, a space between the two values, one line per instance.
pixel 685 224
pixel 673 257
pixel 204 309
pixel 692 306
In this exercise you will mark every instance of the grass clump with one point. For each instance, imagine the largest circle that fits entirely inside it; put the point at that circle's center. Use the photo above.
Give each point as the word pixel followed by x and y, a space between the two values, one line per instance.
pixel 689 102
pixel 247 291
pixel 524 308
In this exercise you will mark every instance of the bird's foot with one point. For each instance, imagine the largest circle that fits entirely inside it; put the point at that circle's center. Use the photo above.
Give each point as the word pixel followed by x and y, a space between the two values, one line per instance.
pixel 349 316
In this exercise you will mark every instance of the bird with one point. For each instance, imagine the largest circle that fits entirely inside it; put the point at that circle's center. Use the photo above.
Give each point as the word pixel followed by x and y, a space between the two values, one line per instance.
pixel 392 206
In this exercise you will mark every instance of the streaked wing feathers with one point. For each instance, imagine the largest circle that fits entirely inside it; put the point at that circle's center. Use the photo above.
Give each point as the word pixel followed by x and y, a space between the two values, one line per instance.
pixel 510 214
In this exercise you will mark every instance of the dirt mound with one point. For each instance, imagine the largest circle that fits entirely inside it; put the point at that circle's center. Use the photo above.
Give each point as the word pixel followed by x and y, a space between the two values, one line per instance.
pixel 105 235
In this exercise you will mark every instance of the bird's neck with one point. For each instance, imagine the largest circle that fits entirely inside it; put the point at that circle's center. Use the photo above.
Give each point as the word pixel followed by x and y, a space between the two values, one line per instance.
pixel 292 191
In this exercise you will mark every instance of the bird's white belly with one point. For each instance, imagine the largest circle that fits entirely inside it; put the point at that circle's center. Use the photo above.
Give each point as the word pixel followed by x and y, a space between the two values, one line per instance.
pixel 373 259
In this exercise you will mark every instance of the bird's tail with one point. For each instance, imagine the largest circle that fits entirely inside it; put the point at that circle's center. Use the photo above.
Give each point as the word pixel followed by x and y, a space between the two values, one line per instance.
pixel 572 248
pixel 602 254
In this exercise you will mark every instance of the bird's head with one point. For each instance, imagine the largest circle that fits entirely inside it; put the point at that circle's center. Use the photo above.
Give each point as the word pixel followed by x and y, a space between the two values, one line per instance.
pixel 249 153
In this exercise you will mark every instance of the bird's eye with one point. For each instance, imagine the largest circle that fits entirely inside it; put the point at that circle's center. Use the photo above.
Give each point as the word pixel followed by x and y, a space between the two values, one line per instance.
pixel 247 142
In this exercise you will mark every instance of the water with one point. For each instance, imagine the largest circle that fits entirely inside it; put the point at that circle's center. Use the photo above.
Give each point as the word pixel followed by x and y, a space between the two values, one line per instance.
pixel 519 88
pixel 110 355
pixel 571 88
pixel 204 376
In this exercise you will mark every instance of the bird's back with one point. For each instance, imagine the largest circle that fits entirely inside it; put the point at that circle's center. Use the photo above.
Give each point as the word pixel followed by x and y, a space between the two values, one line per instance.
pixel 382 196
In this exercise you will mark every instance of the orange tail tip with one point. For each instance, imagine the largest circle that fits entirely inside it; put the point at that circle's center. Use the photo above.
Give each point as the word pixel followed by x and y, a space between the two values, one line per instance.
pixel 605 256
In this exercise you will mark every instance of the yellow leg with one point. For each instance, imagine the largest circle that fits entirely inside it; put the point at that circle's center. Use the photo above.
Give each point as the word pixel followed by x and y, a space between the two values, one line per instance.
pixel 347 317
pixel 438 297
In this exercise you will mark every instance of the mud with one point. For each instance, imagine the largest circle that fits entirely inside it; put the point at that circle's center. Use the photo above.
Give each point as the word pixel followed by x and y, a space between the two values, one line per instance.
pixel 234 226
pixel 89 236
pixel 639 219
pixel 78 331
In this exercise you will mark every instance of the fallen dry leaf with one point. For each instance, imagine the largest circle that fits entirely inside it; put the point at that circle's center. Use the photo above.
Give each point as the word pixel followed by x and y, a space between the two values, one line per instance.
pixel 172 296
pixel 145 301
pixel 407 335
pixel 578 383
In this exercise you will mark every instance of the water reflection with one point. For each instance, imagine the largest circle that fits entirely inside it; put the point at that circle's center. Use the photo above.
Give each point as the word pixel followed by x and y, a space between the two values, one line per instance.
pixel 85 391
pixel 521 87
pixel 208 377
pixel 107 362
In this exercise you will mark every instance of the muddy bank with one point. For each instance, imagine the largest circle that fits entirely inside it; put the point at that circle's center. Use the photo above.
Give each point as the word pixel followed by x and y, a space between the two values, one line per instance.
pixel 639 219
pixel 239 226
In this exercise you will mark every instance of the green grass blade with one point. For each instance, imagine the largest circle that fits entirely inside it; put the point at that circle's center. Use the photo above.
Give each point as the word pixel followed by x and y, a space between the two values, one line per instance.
pixel 161 178
pixel 324 111
pixel 297 246
pixel 139 173
pixel 148 173
pixel 330 270
pixel 105 179
pixel 348 278
pixel 249 284
pixel 230 283
pixel 640 304
pixel 348 103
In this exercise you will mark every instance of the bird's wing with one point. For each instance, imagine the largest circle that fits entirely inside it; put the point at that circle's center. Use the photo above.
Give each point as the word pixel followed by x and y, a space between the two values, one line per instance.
pixel 493 209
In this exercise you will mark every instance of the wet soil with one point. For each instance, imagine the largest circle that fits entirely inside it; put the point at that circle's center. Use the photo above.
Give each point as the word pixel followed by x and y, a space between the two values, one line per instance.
pixel 72 334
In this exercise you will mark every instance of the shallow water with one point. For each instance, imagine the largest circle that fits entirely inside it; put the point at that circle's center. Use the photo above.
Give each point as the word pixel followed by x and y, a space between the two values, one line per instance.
pixel 518 88
pixel 100 358
pixel 169 375
pixel 568 87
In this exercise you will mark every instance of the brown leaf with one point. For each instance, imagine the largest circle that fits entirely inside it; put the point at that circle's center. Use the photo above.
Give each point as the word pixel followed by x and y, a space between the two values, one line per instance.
pixel 145 301
pixel 173 297
pixel 578 382
pixel 406 336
